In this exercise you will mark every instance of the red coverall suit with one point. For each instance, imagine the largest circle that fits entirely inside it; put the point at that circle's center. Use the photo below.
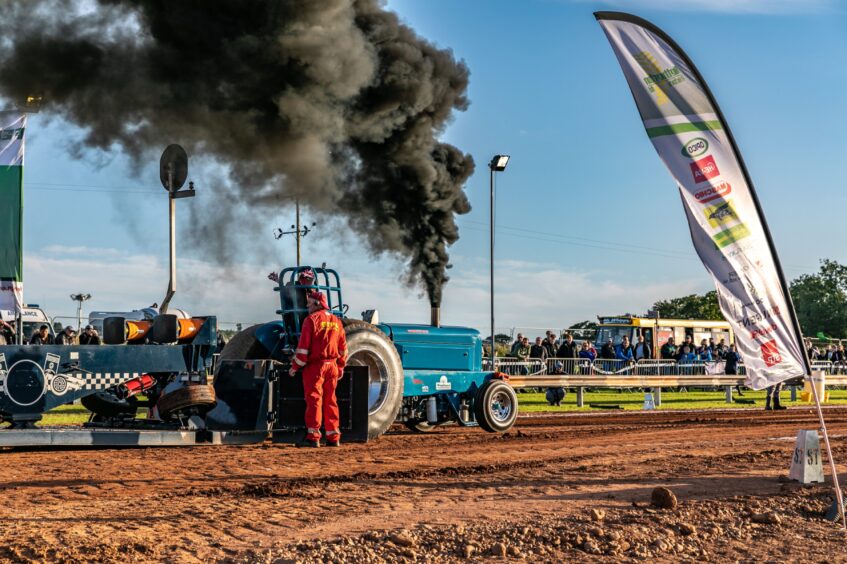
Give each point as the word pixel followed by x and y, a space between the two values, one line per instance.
pixel 322 352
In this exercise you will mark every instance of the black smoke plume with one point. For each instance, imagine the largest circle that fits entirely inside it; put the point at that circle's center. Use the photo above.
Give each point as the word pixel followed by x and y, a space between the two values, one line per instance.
pixel 335 102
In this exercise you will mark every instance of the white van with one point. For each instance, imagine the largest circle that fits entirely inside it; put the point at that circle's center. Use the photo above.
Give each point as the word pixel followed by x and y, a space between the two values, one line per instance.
pixel 33 318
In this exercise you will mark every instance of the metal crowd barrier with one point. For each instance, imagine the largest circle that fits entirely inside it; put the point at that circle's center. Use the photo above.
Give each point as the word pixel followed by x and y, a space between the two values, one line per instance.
pixel 582 373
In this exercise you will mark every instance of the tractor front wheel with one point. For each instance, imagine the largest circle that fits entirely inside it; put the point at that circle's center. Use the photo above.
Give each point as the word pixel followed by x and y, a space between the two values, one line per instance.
pixel 496 406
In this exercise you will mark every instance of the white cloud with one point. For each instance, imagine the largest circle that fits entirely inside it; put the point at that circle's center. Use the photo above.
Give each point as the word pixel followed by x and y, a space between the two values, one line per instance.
pixel 764 7
pixel 528 295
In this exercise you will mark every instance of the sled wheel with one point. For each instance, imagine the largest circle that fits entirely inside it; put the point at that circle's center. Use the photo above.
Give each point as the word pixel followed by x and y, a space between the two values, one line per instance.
pixel 197 397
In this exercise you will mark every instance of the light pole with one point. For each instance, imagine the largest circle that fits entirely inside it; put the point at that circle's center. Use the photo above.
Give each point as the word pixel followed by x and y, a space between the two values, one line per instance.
pixel 296 229
pixel 498 164
pixel 79 298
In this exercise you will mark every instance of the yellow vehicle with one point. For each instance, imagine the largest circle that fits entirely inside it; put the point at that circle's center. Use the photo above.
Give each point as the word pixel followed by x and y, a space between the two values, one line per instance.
pixel 657 331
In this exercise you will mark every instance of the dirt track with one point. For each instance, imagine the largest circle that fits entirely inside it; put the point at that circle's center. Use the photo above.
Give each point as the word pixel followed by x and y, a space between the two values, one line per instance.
pixel 440 496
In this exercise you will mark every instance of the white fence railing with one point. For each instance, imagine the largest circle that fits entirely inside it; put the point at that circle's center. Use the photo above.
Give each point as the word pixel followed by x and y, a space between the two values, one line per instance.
pixel 616 367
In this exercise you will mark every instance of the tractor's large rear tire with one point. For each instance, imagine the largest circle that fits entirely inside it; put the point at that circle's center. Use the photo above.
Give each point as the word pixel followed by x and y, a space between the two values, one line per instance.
pixel 370 347
pixel 244 346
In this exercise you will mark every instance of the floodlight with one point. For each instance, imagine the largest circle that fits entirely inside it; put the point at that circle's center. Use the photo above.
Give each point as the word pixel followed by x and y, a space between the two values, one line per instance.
pixel 499 162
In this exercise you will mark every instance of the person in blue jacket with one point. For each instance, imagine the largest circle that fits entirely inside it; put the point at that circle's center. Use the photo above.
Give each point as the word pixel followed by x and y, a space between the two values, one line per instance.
pixel 704 352
pixel 587 351
pixel 623 351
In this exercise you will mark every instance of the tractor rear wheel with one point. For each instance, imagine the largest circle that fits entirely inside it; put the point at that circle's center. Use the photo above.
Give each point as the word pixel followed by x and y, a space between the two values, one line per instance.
pixel 195 398
pixel 243 346
pixel 368 346
pixel 496 406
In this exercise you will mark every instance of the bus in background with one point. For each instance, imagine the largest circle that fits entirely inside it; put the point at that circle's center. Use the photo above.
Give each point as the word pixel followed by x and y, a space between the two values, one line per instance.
pixel 657 331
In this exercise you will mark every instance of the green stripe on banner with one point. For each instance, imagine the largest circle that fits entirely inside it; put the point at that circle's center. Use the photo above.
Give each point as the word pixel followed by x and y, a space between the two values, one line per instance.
pixel 731 235
pixel 11 210
pixel 683 128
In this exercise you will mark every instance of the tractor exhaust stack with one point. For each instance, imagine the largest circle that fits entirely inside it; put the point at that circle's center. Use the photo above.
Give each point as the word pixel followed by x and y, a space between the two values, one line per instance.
pixel 435 319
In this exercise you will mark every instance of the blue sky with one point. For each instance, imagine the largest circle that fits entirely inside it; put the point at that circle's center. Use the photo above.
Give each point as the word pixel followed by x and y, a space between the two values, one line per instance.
pixel 589 221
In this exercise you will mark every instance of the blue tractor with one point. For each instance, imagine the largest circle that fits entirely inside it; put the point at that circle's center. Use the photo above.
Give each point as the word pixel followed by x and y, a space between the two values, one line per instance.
pixel 423 376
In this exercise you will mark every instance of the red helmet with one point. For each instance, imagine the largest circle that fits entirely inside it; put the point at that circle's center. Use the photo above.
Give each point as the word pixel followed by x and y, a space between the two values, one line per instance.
pixel 306 274
pixel 318 297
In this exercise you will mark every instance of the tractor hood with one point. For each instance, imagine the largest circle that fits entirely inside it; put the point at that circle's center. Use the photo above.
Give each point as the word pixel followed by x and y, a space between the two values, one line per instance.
pixel 425 347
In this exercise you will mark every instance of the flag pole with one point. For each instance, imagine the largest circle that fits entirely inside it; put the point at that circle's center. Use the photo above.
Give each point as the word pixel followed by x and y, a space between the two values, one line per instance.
pixel 838 494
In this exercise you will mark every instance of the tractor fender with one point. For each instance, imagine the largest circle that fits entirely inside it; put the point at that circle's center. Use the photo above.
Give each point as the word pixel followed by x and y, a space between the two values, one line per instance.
pixel 269 335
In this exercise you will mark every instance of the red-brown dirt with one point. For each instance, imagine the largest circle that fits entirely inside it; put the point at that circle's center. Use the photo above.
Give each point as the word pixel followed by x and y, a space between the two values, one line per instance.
pixel 555 488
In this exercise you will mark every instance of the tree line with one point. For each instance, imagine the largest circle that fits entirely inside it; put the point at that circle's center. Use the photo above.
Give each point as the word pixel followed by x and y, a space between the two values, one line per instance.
pixel 820 301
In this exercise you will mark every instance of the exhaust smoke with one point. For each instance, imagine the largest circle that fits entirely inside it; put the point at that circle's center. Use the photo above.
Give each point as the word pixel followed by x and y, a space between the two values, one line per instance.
pixel 334 102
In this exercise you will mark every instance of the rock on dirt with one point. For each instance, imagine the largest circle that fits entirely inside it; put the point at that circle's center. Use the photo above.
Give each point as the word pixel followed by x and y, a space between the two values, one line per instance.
pixel 687 529
pixel 591 547
pixel 597 514
pixel 663 498
pixel 402 539
pixel 498 549
pixel 766 518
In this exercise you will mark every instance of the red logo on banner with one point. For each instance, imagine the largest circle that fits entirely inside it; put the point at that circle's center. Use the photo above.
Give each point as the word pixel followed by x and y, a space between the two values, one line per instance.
pixel 770 353
pixel 704 169
pixel 713 192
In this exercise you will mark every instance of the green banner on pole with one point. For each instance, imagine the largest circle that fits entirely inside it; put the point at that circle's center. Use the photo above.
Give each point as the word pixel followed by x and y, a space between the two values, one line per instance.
pixel 12 128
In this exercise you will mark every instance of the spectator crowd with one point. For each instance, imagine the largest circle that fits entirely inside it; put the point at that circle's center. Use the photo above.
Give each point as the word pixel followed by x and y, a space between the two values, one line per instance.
pixel 566 347
pixel 42 336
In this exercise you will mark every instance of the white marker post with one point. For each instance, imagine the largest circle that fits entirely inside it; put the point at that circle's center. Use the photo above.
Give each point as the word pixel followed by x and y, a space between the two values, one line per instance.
pixel 649 404
pixel 806 465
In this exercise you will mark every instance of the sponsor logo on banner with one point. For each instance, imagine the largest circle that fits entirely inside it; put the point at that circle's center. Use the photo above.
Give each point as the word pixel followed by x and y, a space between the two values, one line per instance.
pixel 721 214
pixel 770 353
pixel 731 235
pixel 751 289
pixel 695 147
pixel 658 79
pixel 740 249
pixel 713 192
pixel 761 332
pixel 8 134
pixel 732 278
pixel 704 169
pixel 757 317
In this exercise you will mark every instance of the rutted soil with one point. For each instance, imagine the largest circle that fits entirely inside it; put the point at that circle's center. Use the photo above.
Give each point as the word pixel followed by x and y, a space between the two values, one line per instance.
pixel 557 487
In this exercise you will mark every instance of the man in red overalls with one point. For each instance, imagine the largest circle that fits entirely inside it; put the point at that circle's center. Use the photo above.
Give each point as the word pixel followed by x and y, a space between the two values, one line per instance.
pixel 322 354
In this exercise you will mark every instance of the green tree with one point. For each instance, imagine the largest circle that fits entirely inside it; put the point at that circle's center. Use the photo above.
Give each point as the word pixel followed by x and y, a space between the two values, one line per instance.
pixel 694 306
pixel 583 330
pixel 502 339
pixel 821 300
